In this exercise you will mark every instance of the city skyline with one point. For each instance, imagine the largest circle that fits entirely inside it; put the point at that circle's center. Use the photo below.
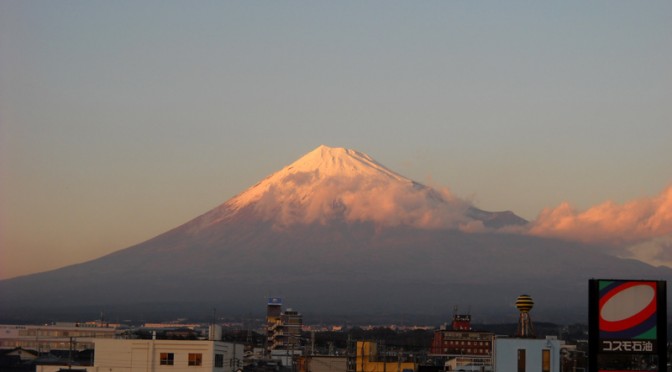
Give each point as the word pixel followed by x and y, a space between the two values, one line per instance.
pixel 120 121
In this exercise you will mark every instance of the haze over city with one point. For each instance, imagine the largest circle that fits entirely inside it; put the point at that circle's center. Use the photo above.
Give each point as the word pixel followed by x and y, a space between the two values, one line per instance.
pixel 122 120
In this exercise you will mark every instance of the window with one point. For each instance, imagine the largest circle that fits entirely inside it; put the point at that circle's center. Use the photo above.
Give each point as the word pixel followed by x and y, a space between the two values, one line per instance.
pixel 521 360
pixel 167 359
pixel 219 360
pixel 545 360
pixel 195 359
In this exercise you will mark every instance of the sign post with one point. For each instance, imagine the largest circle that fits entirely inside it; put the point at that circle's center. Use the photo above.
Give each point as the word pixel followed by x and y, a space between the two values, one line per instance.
pixel 627 325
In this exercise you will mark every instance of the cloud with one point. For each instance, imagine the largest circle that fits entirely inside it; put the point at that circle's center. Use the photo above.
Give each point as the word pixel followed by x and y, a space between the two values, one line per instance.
pixel 306 197
pixel 656 251
pixel 609 224
pixel 640 229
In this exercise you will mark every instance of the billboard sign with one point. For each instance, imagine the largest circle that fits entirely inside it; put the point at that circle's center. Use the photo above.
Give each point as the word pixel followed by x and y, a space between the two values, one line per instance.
pixel 628 321
pixel 275 301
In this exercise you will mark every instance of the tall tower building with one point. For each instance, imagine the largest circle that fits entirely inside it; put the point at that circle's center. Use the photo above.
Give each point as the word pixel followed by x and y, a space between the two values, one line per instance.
pixel 273 312
pixel 290 337
pixel 524 304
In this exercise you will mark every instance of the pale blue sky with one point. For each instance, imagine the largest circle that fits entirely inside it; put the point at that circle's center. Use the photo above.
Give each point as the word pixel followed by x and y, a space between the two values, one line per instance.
pixel 122 119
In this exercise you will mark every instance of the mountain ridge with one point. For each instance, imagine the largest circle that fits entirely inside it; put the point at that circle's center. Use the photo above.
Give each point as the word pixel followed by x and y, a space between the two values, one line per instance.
pixel 322 161
pixel 338 183
pixel 310 237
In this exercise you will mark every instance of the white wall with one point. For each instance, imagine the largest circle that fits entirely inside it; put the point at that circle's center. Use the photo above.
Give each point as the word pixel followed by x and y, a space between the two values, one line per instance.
pixel 144 355
pixel 506 354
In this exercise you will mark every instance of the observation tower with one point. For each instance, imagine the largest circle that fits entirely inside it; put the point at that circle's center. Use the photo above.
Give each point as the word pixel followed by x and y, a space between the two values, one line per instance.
pixel 524 304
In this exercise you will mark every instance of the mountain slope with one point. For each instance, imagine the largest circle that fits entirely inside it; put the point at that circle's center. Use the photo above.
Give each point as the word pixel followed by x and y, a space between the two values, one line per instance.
pixel 339 184
pixel 334 233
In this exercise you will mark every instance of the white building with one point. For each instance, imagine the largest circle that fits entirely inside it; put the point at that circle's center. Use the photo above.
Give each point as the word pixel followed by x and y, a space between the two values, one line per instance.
pixel 60 336
pixel 527 355
pixel 162 355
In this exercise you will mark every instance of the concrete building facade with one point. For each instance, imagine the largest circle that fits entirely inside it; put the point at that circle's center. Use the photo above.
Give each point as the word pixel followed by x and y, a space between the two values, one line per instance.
pixel 527 355
pixel 461 340
pixel 162 355
pixel 60 336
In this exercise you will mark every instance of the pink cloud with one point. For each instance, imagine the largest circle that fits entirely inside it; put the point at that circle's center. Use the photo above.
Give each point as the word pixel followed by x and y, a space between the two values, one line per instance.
pixel 609 223
pixel 308 198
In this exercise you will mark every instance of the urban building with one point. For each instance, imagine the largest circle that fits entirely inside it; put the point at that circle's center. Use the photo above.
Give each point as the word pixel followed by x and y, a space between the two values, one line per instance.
pixel 16 356
pixel 527 355
pixel 285 337
pixel 322 363
pixel 283 333
pixel 286 332
pixel 156 355
pixel 460 346
pixel 59 336
pixel 273 312
pixel 371 357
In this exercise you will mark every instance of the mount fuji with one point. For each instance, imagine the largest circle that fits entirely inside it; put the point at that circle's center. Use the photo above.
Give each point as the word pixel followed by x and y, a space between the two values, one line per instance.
pixel 336 184
pixel 336 234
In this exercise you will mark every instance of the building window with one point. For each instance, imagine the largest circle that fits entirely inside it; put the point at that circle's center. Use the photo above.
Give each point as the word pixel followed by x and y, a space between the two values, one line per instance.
pixel 219 360
pixel 522 362
pixel 167 359
pixel 195 359
pixel 545 360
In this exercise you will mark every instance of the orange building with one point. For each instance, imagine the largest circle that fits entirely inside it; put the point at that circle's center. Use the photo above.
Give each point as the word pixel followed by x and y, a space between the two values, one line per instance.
pixel 370 359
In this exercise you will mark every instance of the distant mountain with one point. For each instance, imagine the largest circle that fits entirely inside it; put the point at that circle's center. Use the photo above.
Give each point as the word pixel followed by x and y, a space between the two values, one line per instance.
pixel 336 184
pixel 336 234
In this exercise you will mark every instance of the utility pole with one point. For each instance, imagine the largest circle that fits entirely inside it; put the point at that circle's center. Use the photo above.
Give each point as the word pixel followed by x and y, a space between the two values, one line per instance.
pixel 70 354
pixel 384 356
pixel 235 362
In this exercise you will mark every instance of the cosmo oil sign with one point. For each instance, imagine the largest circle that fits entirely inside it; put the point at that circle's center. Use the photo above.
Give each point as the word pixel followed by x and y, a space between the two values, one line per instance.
pixel 628 322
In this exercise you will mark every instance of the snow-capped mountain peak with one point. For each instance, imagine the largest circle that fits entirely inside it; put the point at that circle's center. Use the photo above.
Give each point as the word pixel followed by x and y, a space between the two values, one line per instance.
pixel 339 168
pixel 346 184
pixel 341 162
pixel 336 183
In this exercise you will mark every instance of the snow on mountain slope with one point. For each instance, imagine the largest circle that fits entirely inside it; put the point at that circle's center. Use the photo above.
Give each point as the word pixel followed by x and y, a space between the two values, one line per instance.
pixel 315 167
pixel 336 183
